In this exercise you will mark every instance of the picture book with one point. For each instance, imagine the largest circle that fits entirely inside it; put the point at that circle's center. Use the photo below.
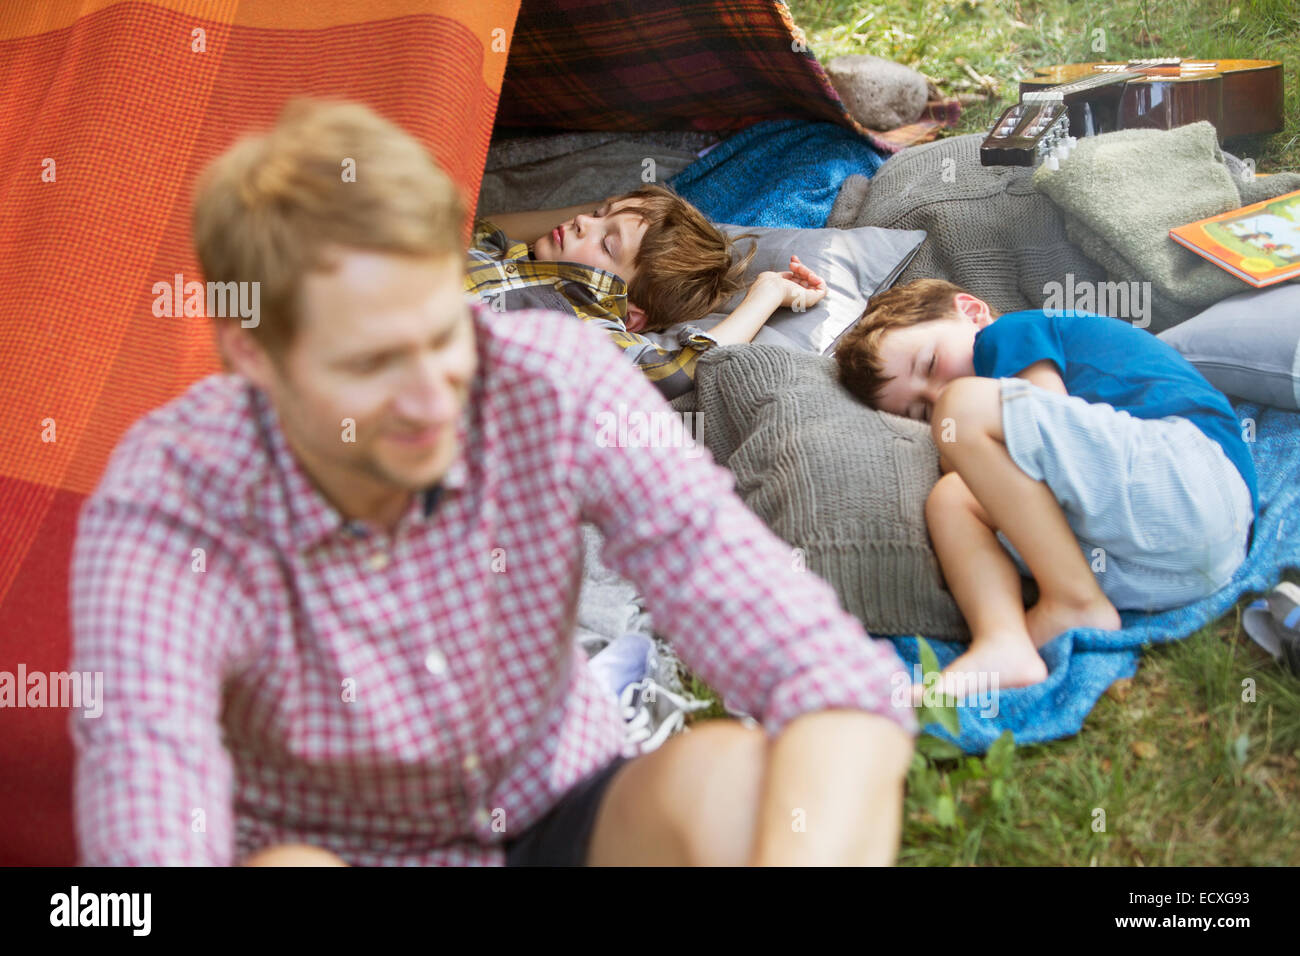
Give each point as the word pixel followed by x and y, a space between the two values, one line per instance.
pixel 1259 244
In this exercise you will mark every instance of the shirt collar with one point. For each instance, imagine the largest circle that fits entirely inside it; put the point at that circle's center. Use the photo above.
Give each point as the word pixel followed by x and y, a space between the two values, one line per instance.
pixel 307 518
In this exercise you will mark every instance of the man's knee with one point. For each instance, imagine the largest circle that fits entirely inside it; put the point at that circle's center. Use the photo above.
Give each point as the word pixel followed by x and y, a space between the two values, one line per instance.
pixel 713 788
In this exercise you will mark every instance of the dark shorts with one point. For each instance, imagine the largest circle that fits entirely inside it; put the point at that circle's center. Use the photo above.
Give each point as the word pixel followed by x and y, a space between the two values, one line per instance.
pixel 561 838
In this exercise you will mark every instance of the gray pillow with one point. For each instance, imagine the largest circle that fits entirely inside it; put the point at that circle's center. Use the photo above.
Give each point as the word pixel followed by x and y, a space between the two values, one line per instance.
pixel 844 483
pixel 856 263
pixel 1247 345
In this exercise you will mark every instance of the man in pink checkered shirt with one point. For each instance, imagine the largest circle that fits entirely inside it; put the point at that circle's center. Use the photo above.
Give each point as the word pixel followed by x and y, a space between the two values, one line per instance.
pixel 332 591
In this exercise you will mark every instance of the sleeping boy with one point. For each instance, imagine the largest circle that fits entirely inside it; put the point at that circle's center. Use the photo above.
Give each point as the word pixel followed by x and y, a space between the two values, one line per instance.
pixel 1086 451
pixel 635 263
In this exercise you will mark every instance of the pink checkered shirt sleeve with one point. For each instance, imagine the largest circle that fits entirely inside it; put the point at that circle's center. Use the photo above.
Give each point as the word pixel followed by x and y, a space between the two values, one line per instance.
pixel 771 638
pixel 153 781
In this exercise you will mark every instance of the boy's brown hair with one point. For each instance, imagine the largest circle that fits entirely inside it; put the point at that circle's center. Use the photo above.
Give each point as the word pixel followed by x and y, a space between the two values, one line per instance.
pixel 861 370
pixel 685 268
pixel 269 208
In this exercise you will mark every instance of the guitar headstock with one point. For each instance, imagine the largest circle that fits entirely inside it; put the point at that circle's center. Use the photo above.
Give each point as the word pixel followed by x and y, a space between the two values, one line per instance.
pixel 1027 134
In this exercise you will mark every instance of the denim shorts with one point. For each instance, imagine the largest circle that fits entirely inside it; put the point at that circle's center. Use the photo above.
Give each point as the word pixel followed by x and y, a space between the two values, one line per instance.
pixel 1161 513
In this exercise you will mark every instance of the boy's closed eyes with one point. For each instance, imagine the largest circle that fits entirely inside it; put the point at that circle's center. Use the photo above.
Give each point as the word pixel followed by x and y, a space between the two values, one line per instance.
pixel 608 238
pixel 920 361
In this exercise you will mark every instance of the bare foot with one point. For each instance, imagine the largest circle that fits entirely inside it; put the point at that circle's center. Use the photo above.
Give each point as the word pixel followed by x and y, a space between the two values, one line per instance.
pixel 1012 663
pixel 1048 619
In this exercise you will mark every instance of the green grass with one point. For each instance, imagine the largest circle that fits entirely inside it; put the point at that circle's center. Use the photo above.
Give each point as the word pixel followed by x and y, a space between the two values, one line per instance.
pixel 1003 39
pixel 1185 770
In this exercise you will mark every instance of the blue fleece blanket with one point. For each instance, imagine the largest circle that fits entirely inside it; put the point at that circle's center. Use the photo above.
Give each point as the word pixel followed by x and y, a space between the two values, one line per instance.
pixel 782 173
pixel 1082 663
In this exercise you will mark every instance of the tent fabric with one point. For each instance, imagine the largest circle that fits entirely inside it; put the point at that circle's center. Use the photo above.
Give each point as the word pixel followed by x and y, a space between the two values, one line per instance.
pixel 109 110
pixel 628 65
pixel 130 103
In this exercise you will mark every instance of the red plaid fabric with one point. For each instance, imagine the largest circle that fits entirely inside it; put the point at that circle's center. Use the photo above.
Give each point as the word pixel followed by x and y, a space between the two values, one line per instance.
pixel 664 64
pixel 415 698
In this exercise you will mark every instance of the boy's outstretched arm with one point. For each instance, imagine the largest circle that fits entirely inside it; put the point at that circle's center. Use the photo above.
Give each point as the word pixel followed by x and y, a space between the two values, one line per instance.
pixel 798 288
pixel 531 226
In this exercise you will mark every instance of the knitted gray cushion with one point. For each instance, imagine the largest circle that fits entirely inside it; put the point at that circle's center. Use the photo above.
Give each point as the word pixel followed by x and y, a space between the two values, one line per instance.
pixel 844 483
pixel 992 232
pixel 989 230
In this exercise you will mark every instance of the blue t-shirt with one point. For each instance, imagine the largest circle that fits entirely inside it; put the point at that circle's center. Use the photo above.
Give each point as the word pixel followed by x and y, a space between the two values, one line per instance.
pixel 1101 359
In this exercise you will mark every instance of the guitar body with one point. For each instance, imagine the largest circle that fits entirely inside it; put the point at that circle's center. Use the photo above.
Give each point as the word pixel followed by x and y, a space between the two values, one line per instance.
pixel 1240 97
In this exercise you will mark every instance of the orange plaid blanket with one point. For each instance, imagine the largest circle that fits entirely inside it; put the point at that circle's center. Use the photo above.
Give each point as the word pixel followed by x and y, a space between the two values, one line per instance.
pixel 108 112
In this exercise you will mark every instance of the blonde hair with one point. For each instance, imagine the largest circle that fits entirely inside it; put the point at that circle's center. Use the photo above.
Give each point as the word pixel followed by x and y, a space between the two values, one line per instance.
pixel 861 369
pixel 685 268
pixel 269 208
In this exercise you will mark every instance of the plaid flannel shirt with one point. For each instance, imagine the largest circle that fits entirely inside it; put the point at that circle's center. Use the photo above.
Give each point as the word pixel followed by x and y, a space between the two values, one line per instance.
pixel 501 273
pixel 414 696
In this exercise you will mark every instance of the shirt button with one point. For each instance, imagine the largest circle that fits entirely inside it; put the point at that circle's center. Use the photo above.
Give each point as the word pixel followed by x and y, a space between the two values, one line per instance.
pixel 378 561
pixel 470 763
pixel 435 663
pixel 511 270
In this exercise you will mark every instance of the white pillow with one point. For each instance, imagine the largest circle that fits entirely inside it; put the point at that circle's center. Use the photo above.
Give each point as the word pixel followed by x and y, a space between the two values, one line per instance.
pixel 1247 345
pixel 856 264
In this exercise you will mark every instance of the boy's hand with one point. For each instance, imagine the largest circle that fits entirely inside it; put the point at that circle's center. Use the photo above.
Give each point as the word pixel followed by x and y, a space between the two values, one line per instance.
pixel 800 288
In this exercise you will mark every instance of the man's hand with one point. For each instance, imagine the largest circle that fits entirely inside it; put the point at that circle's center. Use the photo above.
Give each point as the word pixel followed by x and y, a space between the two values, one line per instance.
pixel 800 288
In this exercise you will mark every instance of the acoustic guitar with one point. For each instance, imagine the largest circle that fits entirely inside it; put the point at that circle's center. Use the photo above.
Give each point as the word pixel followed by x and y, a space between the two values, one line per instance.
pixel 1239 97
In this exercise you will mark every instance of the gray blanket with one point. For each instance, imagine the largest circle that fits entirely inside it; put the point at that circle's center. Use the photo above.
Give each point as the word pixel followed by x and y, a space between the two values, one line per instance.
pixel 548 172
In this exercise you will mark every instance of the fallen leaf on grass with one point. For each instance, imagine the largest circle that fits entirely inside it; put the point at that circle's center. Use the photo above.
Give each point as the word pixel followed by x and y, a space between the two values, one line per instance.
pixel 1120 689
pixel 1145 749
